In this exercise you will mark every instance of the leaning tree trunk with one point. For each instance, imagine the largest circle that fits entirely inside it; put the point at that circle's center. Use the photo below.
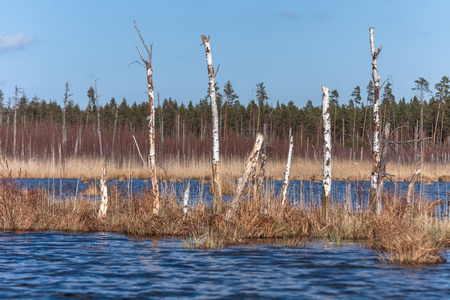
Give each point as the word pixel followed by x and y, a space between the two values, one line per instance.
pixel 326 181
pixel 374 201
pixel 288 168
pixel 249 166
pixel 151 122
pixel 216 188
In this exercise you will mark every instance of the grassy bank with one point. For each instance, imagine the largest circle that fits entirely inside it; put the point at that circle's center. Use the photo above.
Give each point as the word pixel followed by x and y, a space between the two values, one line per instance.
pixel 173 170
pixel 404 233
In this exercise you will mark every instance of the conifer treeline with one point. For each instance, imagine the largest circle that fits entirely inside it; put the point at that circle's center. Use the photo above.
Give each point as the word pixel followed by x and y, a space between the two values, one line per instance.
pixel 183 131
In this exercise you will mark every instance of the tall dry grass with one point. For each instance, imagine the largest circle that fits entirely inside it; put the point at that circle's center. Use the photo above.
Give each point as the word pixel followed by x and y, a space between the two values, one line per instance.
pixel 404 233
pixel 172 169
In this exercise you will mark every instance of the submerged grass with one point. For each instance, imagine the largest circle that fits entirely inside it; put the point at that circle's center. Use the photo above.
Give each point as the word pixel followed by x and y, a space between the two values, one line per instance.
pixel 404 233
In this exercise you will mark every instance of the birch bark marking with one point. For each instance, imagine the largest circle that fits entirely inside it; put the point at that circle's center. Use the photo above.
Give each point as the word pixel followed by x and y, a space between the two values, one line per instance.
pixel 104 195
pixel 151 122
pixel 216 188
pixel 288 167
pixel 376 131
pixel 250 164
pixel 326 181
pixel 186 197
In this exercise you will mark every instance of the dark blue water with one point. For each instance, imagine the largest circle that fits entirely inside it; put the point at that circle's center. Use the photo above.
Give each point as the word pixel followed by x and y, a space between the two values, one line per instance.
pixel 306 191
pixel 54 265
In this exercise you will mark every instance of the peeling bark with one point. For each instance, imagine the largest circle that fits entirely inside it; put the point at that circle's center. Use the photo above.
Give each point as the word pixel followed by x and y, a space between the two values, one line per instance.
pixel 288 168
pixel 216 188
pixel 151 122
pixel 326 181
pixel 373 200
pixel 104 195
pixel 250 164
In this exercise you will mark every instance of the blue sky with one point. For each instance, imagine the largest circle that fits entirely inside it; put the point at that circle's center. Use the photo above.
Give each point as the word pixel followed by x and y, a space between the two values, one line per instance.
pixel 294 47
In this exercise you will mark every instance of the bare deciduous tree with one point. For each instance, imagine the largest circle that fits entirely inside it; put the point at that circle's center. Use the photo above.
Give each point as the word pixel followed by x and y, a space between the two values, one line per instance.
pixel 326 186
pixel 151 121
pixel 374 201
pixel 216 187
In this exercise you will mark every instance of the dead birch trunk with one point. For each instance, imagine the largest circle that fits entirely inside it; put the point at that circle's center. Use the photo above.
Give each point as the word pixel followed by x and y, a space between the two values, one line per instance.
pixel 216 188
pixel 104 195
pixel 373 200
pixel 250 164
pixel 151 122
pixel 99 132
pixel 326 181
pixel 288 168
pixel 186 197
pixel 382 172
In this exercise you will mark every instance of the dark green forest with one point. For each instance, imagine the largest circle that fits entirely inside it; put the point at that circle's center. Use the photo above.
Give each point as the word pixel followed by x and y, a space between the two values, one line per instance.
pixel 32 128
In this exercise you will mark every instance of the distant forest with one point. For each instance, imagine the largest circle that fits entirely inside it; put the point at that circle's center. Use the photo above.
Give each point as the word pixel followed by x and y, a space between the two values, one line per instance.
pixel 39 129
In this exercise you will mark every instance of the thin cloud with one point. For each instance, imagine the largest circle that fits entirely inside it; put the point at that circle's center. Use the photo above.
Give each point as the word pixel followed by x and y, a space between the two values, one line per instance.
pixel 14 42
pixel 289 15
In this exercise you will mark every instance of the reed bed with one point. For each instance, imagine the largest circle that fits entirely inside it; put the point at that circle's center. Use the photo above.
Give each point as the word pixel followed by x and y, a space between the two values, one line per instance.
pixel 404 233
pixel 172 169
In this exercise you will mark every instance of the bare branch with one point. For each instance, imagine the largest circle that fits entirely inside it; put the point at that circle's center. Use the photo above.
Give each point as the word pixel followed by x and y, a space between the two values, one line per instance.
pixel 140 54
pixel 148 52
pixel 217 71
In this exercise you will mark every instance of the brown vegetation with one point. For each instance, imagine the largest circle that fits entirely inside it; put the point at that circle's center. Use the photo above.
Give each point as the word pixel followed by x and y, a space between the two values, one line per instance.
pixel 171 170
pixel 402 234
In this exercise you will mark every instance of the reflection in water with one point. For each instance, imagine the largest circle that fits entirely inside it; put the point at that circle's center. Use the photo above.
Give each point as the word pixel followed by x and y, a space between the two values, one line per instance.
pixel 56 265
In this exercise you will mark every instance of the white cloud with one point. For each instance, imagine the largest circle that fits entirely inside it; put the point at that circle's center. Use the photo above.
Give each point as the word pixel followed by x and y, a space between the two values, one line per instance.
pixel 14 42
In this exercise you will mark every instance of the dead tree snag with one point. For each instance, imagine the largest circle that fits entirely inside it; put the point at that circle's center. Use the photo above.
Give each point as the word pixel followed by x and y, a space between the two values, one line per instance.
pixel 151 122
pixel 216 188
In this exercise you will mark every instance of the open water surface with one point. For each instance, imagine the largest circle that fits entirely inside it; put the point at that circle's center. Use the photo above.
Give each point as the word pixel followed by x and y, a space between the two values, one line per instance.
pixel 306 191
pixel 55 265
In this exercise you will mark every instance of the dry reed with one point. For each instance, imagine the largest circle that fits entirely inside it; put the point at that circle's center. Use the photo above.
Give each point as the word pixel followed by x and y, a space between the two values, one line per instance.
pixel 172 170
pixel 402 234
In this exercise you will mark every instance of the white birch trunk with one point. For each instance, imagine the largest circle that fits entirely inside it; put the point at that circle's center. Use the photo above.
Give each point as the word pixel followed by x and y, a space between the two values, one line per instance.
pixel 382 170
pixel 250 164
pixel 216 188
pixel 288 167
pixel 376 131
pixel 326 180
pixel 104 195
pixel 186 197
pixel 151 123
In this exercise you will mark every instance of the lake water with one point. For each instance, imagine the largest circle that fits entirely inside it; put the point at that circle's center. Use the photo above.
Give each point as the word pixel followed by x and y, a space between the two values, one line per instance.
pixel 306 191
pixel 56 265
